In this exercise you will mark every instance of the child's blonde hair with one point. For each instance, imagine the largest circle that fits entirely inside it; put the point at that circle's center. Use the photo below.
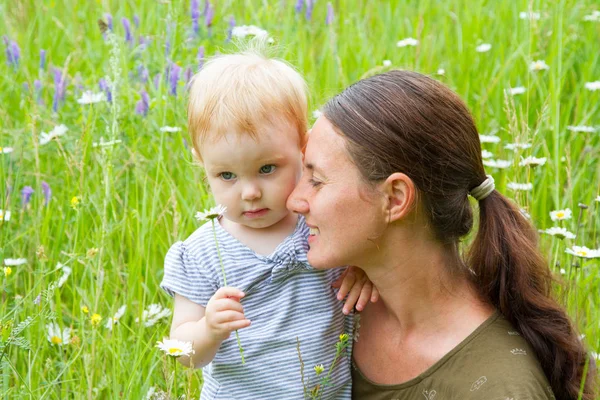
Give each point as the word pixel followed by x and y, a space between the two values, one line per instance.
pixel 240 92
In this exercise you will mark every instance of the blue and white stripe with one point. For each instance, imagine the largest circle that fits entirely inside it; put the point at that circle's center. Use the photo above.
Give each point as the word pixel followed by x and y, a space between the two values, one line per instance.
pixel 285 298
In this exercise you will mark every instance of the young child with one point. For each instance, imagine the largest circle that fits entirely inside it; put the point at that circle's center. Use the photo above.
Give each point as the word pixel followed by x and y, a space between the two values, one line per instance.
pixel 247 119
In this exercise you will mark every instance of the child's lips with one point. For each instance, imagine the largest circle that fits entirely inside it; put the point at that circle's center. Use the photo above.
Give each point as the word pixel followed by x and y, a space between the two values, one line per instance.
pixel 259 212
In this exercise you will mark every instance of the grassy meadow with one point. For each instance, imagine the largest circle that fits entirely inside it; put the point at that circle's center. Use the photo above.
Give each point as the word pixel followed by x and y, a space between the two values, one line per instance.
pixel 89 209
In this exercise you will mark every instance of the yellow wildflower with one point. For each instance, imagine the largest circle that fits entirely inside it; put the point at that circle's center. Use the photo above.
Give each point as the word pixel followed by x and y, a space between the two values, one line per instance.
pixel 85 309
pixel 7 271
pixel 96 318
pixel 75 202
pixel 343 337
pixel 319 369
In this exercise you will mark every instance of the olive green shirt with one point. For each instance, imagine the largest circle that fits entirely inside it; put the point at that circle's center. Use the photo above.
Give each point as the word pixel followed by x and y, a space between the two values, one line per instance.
pixel 492 363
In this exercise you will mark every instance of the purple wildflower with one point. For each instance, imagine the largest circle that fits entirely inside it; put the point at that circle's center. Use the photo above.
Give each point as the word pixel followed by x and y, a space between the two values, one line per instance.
pixel 42 59
pixel 60 86
pixel 142 106
pixel 109 21
pixel 185 144
pixel 200 57
pixel 309 9
pixel 47 192
pixel 25 87
pixel 37 84
pixel 105 88
pixel 156 80
pixel 127 27
pixel 195 11
pixel 299 6
pixel 208 18
pixel 13 53
pixel 231 26
pixel 38 299
pixel 136 21
pixel 206 7
pixel 26 193
pixel 329 18
pixel 173 79
pixel 143 41
pixel 143 73
pixel 187 75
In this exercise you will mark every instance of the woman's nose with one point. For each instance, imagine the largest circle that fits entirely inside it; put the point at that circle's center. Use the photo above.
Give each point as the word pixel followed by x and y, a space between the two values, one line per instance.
pixel 296 202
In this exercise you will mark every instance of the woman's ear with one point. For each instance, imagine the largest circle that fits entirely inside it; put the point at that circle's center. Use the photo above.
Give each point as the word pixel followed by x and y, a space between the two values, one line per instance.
pixel 401 193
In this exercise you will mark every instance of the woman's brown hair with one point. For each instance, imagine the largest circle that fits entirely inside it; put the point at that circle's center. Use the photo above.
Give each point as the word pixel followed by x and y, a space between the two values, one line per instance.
pixel 402 121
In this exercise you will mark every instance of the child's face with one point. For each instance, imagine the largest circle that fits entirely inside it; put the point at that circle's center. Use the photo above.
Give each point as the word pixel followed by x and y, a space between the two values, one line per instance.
pixel 254 177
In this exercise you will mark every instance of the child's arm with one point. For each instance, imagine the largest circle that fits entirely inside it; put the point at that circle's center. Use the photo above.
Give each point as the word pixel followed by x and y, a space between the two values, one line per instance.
pixel 356 285
pixel 207 327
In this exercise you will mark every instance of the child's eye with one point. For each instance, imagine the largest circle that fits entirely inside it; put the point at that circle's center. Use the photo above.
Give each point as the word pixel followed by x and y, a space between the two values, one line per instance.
pixel 227 176
pixel 267 169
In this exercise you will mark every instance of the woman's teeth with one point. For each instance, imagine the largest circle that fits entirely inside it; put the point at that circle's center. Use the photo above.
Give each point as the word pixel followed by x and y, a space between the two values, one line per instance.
pixel 314 231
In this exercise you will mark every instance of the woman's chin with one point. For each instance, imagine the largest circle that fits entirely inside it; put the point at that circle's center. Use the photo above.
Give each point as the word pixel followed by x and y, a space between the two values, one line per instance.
pixel 317 260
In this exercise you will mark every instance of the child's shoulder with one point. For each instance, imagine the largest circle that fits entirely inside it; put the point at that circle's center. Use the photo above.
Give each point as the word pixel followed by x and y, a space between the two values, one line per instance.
pixel 201 241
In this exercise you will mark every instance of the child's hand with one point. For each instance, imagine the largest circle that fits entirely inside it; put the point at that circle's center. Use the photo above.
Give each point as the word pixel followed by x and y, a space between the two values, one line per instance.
pixel 354 283
pixel 224 313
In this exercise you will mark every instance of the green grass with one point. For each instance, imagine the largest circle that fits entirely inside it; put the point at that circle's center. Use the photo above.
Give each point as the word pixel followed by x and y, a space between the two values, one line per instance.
pixel 140 196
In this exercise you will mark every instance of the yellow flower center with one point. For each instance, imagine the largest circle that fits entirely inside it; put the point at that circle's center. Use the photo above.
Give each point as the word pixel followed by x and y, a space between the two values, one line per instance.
pixel 175 350
pixel 582 253
pixel 560 214
pixel 56 340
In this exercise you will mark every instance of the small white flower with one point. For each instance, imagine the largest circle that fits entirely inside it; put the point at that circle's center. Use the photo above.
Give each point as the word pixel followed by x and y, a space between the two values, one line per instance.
pixel 486 154
pixel 583 252
pixel 154 313
pixel 215 212
pixel 12 262
pixel 595 355
pixel 441 71
pixel 561 215
pixel 407 42
pixel 66 273
pixel 248 30
pixel 525 213
pixel 89 97
pixel 532 161
pixel 387 63
pixel 563 271
pixel 501 164
pixel 530 15
pixel 58 130
pixel 559 232
pixel 175 348
pixel 55 336
pixel 514 146
pixel 170 129
pixel 581 128
pixel 115 319
pixel 4 215
pixel 6 150
pixel 538 65
pixel 489 138
pixel 317 114
pixel 483 48
pixel 520 186
pixel 594 16
pixel 516 90
pixel 102 143
pixel 593 86
pixel 597 199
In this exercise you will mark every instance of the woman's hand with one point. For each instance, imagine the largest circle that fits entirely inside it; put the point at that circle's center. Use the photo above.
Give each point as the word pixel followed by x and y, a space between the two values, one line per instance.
pixel 355 284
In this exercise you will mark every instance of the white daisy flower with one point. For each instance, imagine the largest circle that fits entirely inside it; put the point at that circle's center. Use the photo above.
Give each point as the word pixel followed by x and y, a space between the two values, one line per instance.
pixel 483 48
pixel 594 16
pixel 387 63
pixel 12 262
pixel 520 186
pixel 514 146
pixel 154 313
pixel 407 42
pixel 561 215
pixel 489 138
pixel 66 273
pixel 559 232
pixel 89 97
pixel 486 154
pixel 501 164
pixel 583 252
pixel 441 71
pixel 4 215
pixel 581 128
pixel 530 15
pixel 115 319
pixel 55 336
pixel 248 30
pixel 532 161
pixel 516 90
pixel 593 86
pixel 6 150
pixel 215 212
pixel 539 65
pixel 563 271
pixel 170 129
pixel 58 130
pixel 175 348
pixel 317 114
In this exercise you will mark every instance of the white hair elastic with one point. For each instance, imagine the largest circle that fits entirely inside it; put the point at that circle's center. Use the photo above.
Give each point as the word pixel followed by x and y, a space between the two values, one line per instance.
pixel 484 189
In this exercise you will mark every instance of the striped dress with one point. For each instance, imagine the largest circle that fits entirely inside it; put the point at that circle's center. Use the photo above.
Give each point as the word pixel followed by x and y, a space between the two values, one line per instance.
pixel 285 299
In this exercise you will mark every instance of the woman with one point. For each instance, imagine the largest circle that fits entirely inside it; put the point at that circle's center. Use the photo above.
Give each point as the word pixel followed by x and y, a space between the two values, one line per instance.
pixel 387 171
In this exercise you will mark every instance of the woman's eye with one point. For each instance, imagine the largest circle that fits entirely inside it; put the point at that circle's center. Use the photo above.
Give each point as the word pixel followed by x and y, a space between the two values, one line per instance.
pixel 314 183
pixel 227 176
pixel 267 169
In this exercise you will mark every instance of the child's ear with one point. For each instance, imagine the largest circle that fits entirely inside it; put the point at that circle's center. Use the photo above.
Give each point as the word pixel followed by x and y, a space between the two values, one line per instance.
pixel 197 159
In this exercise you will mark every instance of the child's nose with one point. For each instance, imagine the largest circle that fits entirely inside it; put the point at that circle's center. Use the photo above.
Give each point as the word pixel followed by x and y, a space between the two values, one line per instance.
pixel 250 192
